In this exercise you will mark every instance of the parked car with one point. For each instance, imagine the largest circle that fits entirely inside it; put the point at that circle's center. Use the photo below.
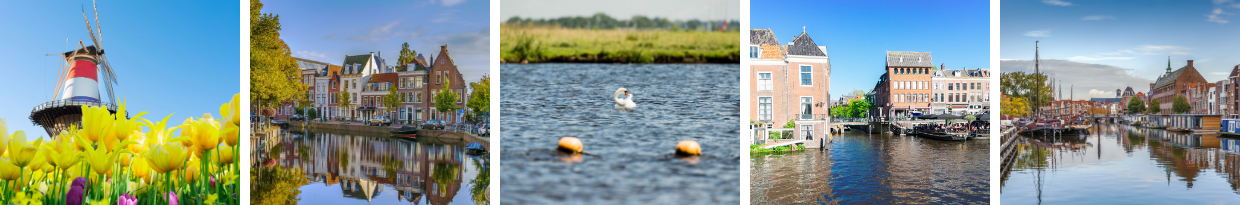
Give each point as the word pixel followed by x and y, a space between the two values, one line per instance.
pixel 379 121
pixel 297 117
pixel 433 125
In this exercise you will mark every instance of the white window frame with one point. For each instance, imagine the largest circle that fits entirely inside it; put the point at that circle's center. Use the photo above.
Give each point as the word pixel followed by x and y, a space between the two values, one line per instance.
pixel 766 84
pixel 765 114
pixel 802 108
pixel 755 51
pixel 802 73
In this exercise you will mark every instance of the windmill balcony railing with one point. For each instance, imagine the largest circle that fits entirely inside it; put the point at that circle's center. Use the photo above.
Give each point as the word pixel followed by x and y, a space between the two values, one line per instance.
pixel 62 103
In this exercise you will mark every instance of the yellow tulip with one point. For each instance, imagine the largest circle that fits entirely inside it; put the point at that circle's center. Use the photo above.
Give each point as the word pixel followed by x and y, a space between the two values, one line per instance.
pixel 231 135
pixel 8 171
pixel 141 168
pixel 191 170
pixel 230 111
pixel 205 134
pixel 4 136
pixel 100 160
pixel 21 151
pixel 226 154
pixel 62 153
pixel 166 157
pixel 96 122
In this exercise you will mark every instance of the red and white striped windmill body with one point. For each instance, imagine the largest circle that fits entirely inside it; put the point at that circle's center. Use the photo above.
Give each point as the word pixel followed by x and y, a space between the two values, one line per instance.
pixel 78 84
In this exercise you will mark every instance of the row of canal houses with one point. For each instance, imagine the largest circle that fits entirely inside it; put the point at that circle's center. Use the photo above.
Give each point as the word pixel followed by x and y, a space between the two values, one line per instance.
pixel 1215 106
pixel 366 78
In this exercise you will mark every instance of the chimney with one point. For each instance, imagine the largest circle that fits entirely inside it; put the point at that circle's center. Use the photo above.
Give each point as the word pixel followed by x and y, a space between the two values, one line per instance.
pixel 1190 63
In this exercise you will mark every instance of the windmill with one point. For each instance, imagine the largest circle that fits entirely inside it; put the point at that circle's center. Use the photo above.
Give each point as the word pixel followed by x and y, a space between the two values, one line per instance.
pixel 77 84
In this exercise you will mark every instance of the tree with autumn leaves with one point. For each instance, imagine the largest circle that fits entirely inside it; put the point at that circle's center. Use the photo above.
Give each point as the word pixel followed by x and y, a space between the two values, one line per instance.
pixel 274 77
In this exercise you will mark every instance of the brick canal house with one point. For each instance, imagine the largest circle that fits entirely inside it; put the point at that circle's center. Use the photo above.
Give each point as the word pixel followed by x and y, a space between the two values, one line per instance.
pixel 905 88
pixel 789 83
pixel 960 92
pixel 1174 83
pixel 443 70
pixel 1229 97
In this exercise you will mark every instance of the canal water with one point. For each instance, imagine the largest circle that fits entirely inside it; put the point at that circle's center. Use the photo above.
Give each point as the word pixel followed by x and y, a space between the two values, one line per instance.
pixel 342 168
pixel 629 156
pixel 860 168
pixel 1120 164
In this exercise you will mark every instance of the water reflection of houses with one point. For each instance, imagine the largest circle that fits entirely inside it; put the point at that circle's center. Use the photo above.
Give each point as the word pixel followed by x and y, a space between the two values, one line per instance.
pixel 363 165
pixel 1187 155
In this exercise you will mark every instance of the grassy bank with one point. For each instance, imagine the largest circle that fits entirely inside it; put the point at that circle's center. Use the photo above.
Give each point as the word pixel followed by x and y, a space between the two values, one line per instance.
pixel 550 44
pixel 758 150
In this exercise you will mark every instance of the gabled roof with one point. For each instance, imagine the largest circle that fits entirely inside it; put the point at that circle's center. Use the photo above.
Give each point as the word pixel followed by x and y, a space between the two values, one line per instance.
pixel 1171 77
pixel 762 37
pixel 908 59
pixel 357 59
pixel 383 78
pixel 1235 72
pixel 443 58
pixel 804 46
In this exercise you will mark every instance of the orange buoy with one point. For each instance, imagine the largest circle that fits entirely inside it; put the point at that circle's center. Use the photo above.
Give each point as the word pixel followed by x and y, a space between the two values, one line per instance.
pixel 688 147
pixel 570 144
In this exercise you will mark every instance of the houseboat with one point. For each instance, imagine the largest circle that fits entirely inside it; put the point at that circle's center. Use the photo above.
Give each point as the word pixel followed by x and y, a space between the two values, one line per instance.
pixel 1230 127
pixel 1195 123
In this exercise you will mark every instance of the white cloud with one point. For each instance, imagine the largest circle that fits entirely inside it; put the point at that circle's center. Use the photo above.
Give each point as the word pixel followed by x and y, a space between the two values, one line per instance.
pixel 1038 33
pixel 379 33
pixel 1131 53
pixel 1216 16
pixel 312 55
pixel 1101 93
pixel 1056 2
pixel 1109 58
pixel 1097 18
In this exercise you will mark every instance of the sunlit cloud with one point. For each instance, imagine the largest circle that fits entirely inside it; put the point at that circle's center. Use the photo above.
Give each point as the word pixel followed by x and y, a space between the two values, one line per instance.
pixel 1038 33
pixel 1057 2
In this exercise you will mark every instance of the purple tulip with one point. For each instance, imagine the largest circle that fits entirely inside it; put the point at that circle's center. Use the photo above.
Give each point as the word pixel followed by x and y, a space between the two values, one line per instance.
pixel 76 191
pixel 126 199
pixel 172 198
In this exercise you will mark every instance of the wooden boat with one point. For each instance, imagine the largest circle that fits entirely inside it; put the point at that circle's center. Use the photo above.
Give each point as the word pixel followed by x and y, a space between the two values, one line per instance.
pixel 938 132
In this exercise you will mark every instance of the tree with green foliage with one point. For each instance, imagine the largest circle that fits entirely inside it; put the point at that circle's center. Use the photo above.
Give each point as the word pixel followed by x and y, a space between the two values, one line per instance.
pixel 344 101
pixel 1136 106
pixel 392 101
pixel 274 76
pixel 1154 107
pixel 479 102
pixel 1031 87
pixel 1180 105
pixel 407 56
pixel 445 99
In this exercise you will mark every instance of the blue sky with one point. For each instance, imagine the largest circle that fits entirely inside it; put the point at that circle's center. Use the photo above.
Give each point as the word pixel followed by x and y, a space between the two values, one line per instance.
pixel 858 33
pixel 170 58
pixel 1134 36
pixel 328 30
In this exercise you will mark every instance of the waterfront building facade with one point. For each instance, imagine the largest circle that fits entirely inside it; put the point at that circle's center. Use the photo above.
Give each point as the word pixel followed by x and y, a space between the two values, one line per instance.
pixel 960 92
pixel 905 89
pixel 356 72
pixel 1174 83
pixel 790 83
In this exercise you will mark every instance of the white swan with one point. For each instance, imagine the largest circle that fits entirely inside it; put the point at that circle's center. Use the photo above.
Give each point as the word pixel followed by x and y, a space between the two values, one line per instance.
pixel 626 103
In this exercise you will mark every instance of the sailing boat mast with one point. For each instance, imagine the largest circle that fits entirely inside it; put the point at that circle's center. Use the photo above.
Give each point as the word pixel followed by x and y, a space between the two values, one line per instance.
pixel 1038 71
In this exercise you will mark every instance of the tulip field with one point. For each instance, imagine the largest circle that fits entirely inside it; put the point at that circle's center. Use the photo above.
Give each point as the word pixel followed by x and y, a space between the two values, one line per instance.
pixel 116 159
